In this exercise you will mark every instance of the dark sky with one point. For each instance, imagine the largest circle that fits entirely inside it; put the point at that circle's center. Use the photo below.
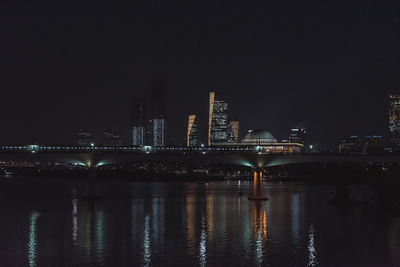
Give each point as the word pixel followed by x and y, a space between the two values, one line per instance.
pixel 65 67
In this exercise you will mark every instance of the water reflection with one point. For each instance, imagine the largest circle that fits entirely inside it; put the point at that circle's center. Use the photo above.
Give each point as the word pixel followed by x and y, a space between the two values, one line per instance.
pixel 99 233
pixel 259 230
pixel 147 242
pixel 190 224
pixel 312 253
pixel 32 243
pixel 295 219
pixel 203 244
pixel 75 226
pixel 194 224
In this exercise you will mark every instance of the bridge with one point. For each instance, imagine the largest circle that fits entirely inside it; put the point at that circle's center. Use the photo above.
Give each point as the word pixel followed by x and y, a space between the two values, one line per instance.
pixel 251 156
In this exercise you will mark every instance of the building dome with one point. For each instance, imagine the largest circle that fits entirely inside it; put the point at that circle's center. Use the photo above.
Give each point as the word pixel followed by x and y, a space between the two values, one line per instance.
pixel 258 137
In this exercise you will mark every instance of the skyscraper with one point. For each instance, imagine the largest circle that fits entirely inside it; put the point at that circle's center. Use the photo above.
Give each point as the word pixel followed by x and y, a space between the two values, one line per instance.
pixel 298 135
pixel 138 121
pixel 210 115
pixel 159 111
pixel 218 131
pixel 158 132
pixel 192 137
pixel 85 137
pixel 234 127
pixel 112 138
pixel 394 119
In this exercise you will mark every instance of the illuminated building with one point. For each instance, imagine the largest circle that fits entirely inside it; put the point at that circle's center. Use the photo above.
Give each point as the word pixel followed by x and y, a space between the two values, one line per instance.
pixel 218 131
pixel 362 144
pixel 210 115
pixel 148 133
pixel 159 111
pixel 192 137
pixel 351 144
pixel 158 132
pixel 85 138
pixel 394 119
pixel 298 135
pixel 138 121
pixel 265 142
pixel 234 128
pixel 112 138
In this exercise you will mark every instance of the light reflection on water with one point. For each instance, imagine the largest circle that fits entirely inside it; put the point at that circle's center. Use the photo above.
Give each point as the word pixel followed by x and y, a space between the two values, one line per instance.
pixel 203 244
pixel 32 244
pixel 147 242
pixel 312 253
pixel 184 224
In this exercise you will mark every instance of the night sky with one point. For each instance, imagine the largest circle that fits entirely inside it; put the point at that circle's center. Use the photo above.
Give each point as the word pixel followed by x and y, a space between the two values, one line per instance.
pixel 65 67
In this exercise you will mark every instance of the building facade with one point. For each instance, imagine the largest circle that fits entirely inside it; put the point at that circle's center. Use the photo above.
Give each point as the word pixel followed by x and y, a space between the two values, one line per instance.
pixel 112 138
pixel 265 142
pixel 192 136
pixel 298 135
pixel 362 144
pixel 84 137
pixel 394 119
pixel 234 128
pixel 219 128
pixel 138 121
pixel 159 112
pixel 158 132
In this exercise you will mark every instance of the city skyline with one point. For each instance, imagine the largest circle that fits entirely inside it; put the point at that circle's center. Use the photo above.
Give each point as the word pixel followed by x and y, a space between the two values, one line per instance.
pixel 332 72
pixel 199 133
pixel 148 111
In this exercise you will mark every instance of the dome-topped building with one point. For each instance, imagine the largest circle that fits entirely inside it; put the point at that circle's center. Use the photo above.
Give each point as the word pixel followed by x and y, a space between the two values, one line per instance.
pixel 265 142
pixel 259 137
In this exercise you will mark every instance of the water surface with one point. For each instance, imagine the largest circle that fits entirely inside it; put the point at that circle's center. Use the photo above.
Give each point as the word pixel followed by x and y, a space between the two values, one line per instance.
pixel 46 222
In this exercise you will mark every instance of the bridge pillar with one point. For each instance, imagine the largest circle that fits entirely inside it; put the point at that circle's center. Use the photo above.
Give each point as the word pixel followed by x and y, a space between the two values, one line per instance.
pixel 91 181
pixel 257 192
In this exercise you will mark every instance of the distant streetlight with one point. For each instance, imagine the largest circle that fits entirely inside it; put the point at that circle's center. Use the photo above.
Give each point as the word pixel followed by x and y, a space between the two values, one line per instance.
pixel 92 144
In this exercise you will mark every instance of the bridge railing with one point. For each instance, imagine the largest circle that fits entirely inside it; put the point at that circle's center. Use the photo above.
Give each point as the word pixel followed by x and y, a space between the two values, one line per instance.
pixel 110 149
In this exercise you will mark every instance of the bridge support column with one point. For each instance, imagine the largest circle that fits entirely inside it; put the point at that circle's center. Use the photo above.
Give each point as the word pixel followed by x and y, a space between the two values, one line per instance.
pixel 91 189
pixel 257 192
pixel 91 181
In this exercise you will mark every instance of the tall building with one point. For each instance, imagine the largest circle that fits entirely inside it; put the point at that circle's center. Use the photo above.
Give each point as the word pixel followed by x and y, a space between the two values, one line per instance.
pixel 138 121
pixel 192 137
pixel 298 135
pixel 148 133
pixel 85 137
pixel 234 127
pixel 394 119
pixel 218 131
pixel 159 132
pixel 159 111
pixel 210 115
pixel 112 138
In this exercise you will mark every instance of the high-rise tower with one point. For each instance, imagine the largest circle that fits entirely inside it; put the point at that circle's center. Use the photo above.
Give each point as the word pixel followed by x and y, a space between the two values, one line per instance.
pixel 138 121
pixel 210 114
pixel 394 119
pixel 234 127
pixel 192 137
pixel 218 129
pixel 159 111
